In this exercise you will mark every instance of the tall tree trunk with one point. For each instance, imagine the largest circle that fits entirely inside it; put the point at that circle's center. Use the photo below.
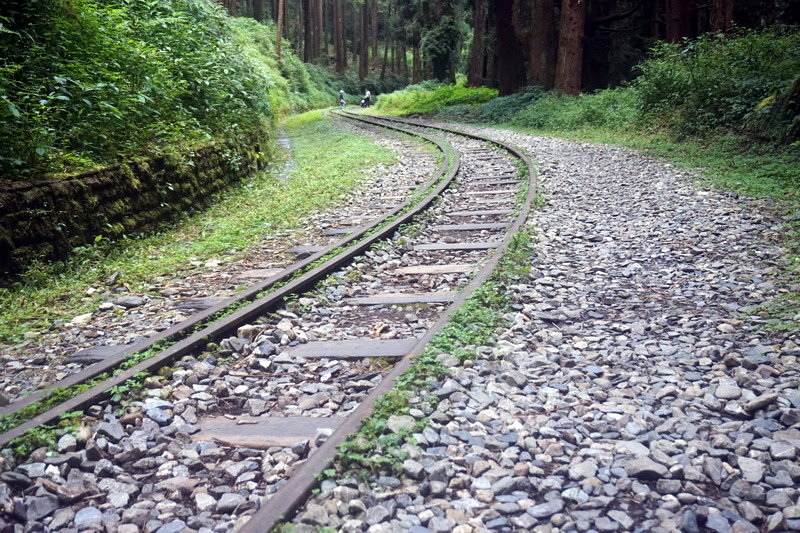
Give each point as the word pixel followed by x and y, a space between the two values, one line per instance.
pixel 416 67
pixel 363 59
pixel 542 61
pixel 677 20
pixel 722 16
pixel 327 29
pixel 475 76
pixel 385 57
pixel 258 10
pixel 650 13
pixel 308 31
pixel 279 29
pixel 299 27
pixel 339 51
pixel 569 66
pixel 510 62
pixel 373 28
pixel 354 42
pixel 318 27
pixel 404 59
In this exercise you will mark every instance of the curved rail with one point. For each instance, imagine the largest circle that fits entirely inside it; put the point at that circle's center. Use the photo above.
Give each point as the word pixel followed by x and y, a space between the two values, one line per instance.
pixel 297 489
pixel 197 331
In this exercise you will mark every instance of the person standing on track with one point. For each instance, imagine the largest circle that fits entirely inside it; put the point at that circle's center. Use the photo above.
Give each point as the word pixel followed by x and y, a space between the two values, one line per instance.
pixel 367 98
pixel 341 98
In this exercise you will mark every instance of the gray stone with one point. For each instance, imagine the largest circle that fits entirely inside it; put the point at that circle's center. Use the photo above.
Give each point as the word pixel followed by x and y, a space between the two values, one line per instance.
pixel 717 523
pixel 40 506
pixel 398 423
pixel 752 470
pixel 412 468
pixel 622 518
pixel 229 502
pixel 781 450
pixel 439 524
pixel 161 417
pixel 204 501
pixel 129 301
pixel 111 429
pixel 377 514
pixel 727 390
pixel 544 510
pixel 644 468
pixel 89 518
pixel 631 448
pixel 118 499
pixel 175 526
pixel 67 443
pixel 583 470
pixel 256 407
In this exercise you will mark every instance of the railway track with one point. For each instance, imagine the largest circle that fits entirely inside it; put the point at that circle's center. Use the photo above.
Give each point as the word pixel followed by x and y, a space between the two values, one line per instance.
pixel 308 352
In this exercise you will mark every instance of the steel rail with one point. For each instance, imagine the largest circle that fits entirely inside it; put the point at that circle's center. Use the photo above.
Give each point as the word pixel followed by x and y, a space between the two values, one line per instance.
pixel 295 492
pixel 293 277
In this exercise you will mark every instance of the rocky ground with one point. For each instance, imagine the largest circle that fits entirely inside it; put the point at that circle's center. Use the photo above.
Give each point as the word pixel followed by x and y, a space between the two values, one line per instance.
pixel 148 462
pixel 123 317
pixel 633 388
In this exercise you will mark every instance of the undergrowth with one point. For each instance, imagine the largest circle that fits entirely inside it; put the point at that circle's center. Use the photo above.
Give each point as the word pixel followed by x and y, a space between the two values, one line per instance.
pixel 428 97
pixel 84 83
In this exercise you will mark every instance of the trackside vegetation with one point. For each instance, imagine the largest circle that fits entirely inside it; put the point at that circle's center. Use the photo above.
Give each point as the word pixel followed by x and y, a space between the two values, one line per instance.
pixel 50 294
pixel 84 83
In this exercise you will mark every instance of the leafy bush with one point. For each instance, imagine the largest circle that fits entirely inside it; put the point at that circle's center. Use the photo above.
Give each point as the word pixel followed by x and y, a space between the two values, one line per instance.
pixel 427 97
pixel 83 82
pixel 610 108
pixel 718 81
pixel 498 110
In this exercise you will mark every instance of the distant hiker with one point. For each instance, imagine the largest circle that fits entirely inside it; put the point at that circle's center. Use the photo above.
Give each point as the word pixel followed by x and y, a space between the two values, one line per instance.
pixel 367 98
pixel 341 98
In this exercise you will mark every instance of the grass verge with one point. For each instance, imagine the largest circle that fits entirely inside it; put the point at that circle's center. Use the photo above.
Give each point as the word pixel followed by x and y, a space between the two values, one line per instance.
pixel 49 295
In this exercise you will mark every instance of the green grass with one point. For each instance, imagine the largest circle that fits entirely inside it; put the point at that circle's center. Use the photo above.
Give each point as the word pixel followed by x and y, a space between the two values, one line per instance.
pixel 428 97
pixel 329 163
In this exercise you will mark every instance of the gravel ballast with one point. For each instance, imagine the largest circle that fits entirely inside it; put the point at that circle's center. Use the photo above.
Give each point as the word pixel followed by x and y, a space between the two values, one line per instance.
pixel 632 387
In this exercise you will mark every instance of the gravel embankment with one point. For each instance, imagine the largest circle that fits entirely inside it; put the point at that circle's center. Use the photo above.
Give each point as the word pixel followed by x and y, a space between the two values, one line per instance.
pixel 633 387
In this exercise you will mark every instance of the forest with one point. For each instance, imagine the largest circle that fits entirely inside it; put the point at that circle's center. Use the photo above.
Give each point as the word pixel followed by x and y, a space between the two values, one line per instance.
pixel 86 82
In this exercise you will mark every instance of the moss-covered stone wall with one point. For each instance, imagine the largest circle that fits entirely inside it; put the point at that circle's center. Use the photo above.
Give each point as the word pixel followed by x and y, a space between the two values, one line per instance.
pixel 47 219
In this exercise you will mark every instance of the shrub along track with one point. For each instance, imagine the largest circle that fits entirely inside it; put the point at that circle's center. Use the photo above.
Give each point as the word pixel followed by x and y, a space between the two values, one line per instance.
pixel 357 315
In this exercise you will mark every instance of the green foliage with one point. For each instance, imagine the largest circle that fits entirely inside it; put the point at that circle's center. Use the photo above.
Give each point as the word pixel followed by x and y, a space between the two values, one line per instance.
pixel 744 83
pixel 610 108
pixel 45 436
pixel 718 81
pixel 441 45
pixel 295 86
pixel 428 97
pixel 85 82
